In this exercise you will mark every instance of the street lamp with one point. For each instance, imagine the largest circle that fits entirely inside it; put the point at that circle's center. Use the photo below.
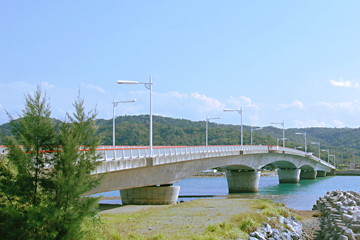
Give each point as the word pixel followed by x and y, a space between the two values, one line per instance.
pixel 334 158
pixel 326 150
pixel 278 139
pixel 149 87
pixel 317 143
pixel 251 130
pixel 283 124
pixel 207 121
pixel 114 105
pixel 240 111
pixel 304 133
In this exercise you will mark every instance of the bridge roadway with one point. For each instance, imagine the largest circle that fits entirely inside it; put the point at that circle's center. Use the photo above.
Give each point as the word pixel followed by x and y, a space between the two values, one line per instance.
pixel 145 179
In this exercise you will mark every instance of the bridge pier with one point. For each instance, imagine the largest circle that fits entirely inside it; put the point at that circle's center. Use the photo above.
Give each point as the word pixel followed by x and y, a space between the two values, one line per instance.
pixel 331 173
pixel 308 174
pixel 154 195
pixel 243 181
pixel 321 174
pixel 289 175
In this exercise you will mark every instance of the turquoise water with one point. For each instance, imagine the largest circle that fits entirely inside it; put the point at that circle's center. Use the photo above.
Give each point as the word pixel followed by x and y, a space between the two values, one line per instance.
pixel 302 195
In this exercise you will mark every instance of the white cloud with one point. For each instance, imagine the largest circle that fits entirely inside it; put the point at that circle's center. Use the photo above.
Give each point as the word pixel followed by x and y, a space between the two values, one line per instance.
pixel 175 94
pixel 141 92
pixel 241 101
pixel 351 107
pixel 90 86
pixel 338 123
pixel 46 85
pixel 346 84
pixel 170 94
pixel 62 111
pixel 255 119
pixel 295 104
pixel 309 123
pixel 19 86
pixel 207 103
pixel 316 123
pixel 193 106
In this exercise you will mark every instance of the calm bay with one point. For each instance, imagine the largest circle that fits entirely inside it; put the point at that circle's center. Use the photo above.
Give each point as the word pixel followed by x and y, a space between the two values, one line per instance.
pixel 301 196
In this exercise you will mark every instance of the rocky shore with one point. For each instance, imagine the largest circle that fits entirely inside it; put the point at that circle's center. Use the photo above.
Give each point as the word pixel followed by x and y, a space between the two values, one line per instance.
pixel 285 228
pixel 340 215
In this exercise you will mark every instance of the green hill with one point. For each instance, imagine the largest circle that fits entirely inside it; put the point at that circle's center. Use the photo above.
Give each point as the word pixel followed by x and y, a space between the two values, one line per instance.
pixel 134 130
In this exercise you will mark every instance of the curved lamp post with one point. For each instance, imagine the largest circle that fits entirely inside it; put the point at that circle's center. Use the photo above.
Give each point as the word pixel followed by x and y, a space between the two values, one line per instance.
pixel 278 139
pixel 283 124
pixel 304 133
pixel 327 150
pixel 334 158
pixel 149 87
pixel 317 143
pixel 114 106
pixel 251 133
pixel 207 122
pixel 240 111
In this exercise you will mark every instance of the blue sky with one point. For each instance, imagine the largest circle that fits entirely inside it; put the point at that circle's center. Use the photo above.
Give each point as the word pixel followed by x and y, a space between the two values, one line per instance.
pixel 297 61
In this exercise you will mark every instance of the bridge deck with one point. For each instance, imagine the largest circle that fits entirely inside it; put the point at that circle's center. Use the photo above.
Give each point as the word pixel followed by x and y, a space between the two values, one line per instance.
pixel 121 158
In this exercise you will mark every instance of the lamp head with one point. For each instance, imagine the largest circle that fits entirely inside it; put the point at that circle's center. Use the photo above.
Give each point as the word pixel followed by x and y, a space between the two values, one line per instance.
pixel 126 82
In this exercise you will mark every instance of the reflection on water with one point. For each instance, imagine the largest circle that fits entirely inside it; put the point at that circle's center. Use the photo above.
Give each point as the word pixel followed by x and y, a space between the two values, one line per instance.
pixel 302 195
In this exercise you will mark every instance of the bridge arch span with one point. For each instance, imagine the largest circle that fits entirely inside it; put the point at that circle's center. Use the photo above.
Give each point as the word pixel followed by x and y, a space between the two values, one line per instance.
pixel 135 172
pixel 169 173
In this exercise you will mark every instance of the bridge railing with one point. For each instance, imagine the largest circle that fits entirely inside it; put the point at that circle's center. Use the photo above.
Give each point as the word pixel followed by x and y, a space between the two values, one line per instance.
pixel 301 153
pixel 119 158
pixel 126 157
pixel 120 153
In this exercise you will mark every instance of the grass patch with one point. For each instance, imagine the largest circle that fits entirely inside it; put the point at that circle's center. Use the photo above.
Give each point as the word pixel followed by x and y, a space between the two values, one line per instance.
pixel 271 209
pixel 249 222
pixel 225 229
pixel 317 214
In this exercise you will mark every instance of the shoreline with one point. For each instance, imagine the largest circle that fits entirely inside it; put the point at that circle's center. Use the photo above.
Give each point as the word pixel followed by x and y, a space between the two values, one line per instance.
pixel 351 172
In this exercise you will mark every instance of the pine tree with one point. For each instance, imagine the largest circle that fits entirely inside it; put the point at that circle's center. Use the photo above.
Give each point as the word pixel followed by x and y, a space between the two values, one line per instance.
pixel 42 181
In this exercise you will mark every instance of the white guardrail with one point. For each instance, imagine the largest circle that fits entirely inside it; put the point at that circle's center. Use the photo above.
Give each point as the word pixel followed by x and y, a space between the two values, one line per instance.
pixel 120 158
pixel 116 158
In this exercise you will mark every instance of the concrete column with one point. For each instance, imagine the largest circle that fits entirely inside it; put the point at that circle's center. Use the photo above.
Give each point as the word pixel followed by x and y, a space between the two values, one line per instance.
pixel 155 195
pixel 243 181
pixel 289 175
pixel 331 173
pixel 308 174
pixel 321 174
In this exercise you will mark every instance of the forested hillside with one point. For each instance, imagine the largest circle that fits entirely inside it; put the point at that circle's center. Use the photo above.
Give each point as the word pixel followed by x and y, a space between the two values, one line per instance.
pixel 134 130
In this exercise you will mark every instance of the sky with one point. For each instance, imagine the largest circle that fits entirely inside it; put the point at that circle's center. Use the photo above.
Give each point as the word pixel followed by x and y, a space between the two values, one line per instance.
pixel 291 61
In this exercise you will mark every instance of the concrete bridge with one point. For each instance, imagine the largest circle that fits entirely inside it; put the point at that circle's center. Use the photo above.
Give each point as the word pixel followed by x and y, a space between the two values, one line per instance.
pixel 145 179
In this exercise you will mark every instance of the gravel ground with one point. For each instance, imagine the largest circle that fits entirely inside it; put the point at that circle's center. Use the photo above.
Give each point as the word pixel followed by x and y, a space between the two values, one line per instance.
pixel 188 218
pixel 310 222
pixel 185 218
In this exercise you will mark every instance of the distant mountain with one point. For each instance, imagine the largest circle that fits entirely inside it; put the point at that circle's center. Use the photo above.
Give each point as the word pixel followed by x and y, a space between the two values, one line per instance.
pixel 134 130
